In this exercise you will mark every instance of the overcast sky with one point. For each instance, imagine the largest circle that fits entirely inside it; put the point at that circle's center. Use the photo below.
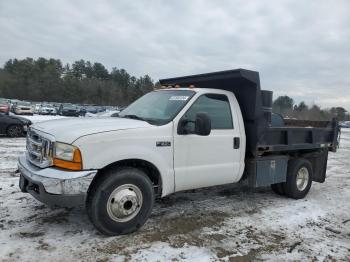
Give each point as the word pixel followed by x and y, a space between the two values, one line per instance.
pixel 300 48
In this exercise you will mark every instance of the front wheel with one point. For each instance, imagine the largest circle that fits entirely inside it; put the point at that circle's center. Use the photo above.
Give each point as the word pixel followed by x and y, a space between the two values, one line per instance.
pixel 299 178
pixel 15 131
pixel 120 201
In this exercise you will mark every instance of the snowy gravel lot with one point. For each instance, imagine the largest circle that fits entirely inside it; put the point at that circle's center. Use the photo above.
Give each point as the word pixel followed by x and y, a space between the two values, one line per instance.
pixel 228 223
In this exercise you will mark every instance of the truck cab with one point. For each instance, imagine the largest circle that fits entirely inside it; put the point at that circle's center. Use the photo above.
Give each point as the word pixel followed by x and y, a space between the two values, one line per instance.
pixel 176 138
pixel 221 152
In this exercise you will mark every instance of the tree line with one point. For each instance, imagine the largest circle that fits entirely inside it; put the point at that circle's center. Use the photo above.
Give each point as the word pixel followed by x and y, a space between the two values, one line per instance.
pixel 80 82
pixel 85 82
pixel 286 106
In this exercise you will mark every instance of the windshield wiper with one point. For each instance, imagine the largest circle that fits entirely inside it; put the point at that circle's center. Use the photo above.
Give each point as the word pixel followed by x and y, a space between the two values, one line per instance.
pixel 150 121
pixel 134 117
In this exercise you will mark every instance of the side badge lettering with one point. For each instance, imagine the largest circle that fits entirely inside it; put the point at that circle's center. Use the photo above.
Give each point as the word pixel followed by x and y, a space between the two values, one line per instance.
pixel 163 143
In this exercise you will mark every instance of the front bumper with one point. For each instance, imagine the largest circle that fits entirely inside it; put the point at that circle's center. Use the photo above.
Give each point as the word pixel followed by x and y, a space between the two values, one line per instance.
pixel 24 112
pixel 54 186
pixel 69 113
pixel 48 113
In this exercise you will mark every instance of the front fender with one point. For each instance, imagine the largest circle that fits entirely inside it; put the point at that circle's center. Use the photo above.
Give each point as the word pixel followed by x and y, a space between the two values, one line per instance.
pixel 103 149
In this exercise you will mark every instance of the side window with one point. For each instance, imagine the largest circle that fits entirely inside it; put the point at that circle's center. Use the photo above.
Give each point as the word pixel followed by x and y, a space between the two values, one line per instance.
pixel 216 106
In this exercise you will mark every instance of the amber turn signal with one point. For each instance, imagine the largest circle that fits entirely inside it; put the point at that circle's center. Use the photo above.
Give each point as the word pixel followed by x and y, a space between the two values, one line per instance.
pixel 75 165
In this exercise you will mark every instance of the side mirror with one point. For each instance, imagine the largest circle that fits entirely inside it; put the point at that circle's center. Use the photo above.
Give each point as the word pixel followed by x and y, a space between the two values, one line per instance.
pixel 202 125
pixel 181 127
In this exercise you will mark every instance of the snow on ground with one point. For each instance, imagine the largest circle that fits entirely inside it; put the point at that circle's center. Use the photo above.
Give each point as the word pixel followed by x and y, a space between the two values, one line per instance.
pixel 228 223
pixel 40 118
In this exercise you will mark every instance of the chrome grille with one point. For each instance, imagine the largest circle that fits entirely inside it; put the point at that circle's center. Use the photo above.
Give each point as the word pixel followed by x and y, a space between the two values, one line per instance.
pixel 39 149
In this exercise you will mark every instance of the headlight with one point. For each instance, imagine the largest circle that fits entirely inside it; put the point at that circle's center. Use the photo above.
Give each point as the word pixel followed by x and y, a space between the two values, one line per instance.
pixel 64 151
pixel 67 156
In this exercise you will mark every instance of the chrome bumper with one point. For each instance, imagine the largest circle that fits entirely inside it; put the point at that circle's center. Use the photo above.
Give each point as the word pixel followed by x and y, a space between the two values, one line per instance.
pixel 57 181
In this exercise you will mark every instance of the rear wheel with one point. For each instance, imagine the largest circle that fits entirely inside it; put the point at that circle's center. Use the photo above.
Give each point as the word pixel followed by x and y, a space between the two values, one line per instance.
pixel 14 131
pixel 120 201
pixel 299 178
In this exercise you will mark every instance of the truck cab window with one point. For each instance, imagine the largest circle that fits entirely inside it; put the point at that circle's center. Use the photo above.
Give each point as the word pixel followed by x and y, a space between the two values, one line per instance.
pixel 216 106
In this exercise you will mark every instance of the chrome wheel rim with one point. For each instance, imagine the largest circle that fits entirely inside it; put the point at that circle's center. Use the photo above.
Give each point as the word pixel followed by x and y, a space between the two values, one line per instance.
pixel 124 203
pixel 302 178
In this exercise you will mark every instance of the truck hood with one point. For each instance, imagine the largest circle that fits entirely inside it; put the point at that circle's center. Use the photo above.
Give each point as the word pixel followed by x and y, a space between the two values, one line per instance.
pixel 70 129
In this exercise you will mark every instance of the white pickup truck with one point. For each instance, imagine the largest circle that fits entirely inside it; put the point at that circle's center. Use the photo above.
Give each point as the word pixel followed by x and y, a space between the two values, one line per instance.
pixel 199 131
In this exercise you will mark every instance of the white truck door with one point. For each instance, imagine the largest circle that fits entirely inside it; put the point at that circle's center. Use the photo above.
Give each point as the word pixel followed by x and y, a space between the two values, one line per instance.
pixel 201 161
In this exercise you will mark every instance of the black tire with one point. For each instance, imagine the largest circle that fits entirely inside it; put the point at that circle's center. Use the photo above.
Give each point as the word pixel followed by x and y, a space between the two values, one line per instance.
pixel 14 131
pixel 291 188
pixel 100 193
pixel 278 189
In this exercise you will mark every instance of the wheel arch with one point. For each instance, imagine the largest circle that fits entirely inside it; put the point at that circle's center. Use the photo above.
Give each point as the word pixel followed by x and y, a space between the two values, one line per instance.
pixel 12 124
pixel 149 168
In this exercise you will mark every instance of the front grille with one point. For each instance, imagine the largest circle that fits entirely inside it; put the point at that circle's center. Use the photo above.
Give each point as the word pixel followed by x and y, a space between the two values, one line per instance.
pixel 39 149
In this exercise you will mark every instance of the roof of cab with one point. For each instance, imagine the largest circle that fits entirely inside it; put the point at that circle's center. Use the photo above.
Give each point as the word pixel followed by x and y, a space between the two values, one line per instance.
pixel 245 85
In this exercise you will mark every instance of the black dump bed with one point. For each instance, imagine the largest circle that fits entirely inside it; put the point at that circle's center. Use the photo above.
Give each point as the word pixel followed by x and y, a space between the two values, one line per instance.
pixel 256 107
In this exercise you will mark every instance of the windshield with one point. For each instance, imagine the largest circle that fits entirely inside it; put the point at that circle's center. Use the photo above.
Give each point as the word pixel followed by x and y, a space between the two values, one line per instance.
pixel 69 106
pixel 158 107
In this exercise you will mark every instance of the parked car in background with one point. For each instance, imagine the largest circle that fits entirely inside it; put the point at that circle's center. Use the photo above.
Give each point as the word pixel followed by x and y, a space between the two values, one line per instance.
pixel 23 108
pixel 100 109
pixel 12 102
pixel 110 108
pixel 47 109
pixel 344 124
pixel 112 113
pixel 37 108
pixel 91 109
pixel 68 110
pixel 4 106
pixel 121 108
pixel 13 126
pixel 56 105
pixel 82 110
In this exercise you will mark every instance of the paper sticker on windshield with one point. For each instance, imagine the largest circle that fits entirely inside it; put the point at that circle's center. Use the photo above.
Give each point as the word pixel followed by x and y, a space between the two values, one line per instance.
pixel 178 98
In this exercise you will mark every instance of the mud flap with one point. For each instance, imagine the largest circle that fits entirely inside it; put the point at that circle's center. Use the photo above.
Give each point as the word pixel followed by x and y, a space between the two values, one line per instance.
pixel 318 161
pixel 319 165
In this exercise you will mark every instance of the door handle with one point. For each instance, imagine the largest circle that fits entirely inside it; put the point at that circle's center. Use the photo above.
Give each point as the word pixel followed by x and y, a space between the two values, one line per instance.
pixel 236 142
